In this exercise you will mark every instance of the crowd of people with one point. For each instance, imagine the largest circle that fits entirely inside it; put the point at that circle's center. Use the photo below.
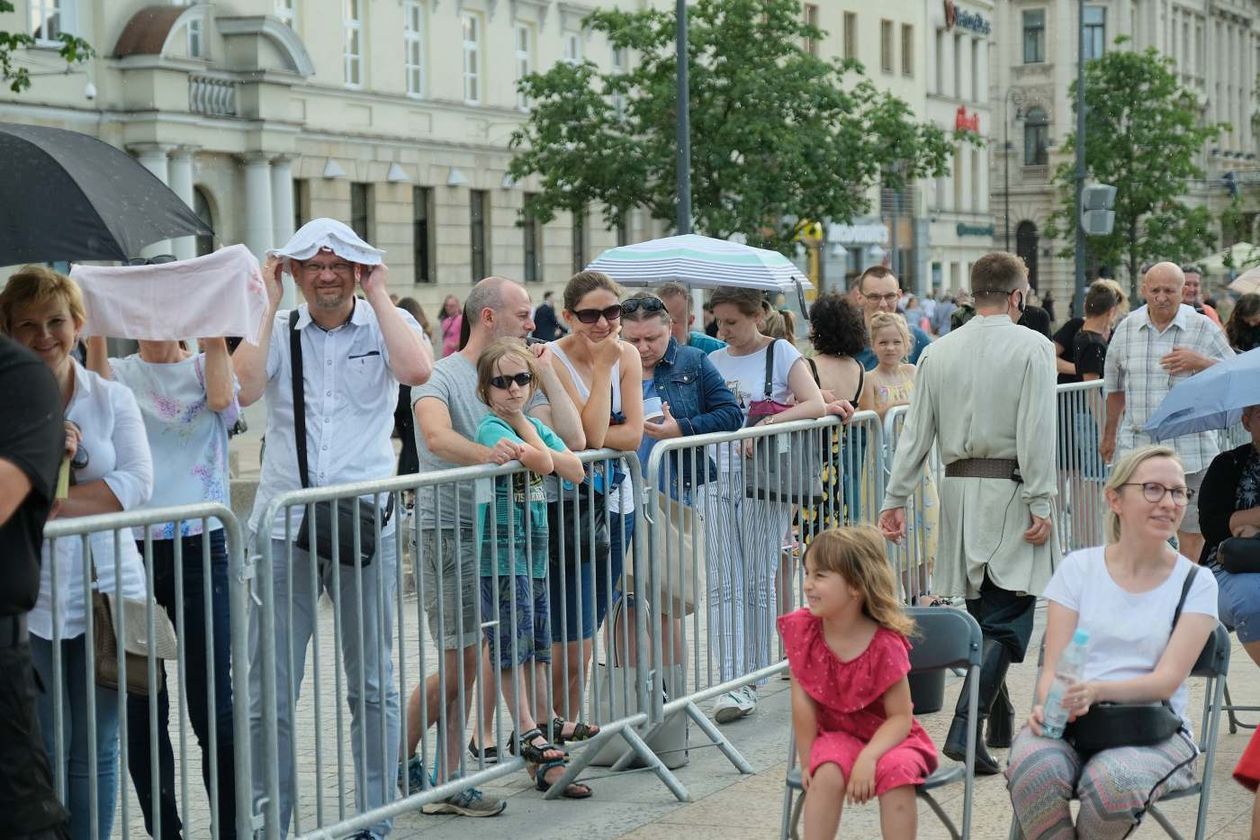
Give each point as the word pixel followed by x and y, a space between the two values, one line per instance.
pixel 516 584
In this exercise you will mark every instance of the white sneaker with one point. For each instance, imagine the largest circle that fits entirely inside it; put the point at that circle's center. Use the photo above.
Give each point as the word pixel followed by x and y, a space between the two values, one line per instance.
pixel 750 701
pixel 729 706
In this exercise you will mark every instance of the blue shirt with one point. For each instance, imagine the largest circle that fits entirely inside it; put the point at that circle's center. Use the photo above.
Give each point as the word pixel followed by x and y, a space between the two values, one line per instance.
pixel 704 343
pixel 921 341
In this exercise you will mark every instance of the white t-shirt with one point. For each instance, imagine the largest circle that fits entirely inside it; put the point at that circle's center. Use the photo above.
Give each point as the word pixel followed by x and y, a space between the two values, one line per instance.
pixel 623 500
pixel 188 441
pixel 1128 631
pixel 746 377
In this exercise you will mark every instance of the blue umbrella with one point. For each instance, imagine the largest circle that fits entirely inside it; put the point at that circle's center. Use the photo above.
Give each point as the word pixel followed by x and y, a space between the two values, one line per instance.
pixel 1209 400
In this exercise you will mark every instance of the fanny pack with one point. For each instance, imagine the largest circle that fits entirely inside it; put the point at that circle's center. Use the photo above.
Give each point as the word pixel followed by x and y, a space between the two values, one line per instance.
pixel 1110 725
pixel 345 512
pixel 1239 555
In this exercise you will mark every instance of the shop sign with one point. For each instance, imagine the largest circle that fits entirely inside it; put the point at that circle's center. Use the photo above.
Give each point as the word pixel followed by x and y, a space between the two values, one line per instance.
pixel 964 229
pixel 963 19
pixel 964 121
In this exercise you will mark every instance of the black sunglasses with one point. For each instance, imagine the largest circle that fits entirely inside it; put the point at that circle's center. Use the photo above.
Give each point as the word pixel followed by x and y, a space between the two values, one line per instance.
pixel 591 316
pixel 158 260
pixel 647 304
pixel 505 382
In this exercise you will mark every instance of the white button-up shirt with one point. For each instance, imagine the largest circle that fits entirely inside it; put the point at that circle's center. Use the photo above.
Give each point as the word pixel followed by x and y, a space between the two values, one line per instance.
pixel 350 395
pixel 1133 367
pixel 118 452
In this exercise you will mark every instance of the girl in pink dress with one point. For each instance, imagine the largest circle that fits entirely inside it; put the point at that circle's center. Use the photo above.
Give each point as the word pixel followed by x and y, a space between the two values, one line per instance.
pixel 851 710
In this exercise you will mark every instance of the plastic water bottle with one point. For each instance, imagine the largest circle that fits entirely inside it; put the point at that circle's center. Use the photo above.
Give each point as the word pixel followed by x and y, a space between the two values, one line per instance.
pixel 1070 669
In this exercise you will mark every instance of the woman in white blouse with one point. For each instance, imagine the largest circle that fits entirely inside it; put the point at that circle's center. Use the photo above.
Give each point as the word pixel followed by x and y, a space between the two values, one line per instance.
pixel 43 310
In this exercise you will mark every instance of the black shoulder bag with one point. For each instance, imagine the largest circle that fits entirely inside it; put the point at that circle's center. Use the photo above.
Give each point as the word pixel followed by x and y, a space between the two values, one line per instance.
pixel 1110 725
pixel 347 512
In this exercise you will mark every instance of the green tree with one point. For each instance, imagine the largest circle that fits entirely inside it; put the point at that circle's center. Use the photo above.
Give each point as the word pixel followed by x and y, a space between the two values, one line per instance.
pixel 1142 135
pixel 73 49
pixel 780 137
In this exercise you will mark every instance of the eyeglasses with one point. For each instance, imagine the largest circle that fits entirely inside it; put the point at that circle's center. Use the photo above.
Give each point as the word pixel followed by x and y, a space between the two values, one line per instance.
pixel 341 269
pixel 591 316
pixel 1154 492
pixel 505 382
pixel 158 260
pixel 888 298
pixel 647 304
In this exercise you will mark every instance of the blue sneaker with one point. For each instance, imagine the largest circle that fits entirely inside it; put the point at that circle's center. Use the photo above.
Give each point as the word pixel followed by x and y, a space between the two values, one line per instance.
pixel 411 776
pixel 469 803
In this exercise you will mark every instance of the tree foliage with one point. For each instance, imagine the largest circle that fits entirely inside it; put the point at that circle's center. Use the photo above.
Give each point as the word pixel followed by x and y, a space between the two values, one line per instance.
pixel 73 50
pixel 779 137
pixel 1143 134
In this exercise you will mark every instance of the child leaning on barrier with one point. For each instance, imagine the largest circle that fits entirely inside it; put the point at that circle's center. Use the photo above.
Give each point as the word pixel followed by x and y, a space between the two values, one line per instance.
pixel 851 710
pixel 512 546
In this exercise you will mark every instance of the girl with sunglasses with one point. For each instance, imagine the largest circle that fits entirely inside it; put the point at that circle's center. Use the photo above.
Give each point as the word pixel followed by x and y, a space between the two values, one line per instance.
pixel 603 377
pixel 512 547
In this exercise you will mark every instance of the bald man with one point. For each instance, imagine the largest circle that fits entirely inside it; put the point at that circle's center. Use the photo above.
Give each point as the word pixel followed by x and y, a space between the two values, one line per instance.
pixel 1154 348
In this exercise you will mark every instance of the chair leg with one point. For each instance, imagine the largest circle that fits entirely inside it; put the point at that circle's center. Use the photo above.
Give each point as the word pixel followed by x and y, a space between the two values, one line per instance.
pixel 1234 722
pixel 795 829
pixel 1159 817
pixel 954 833
pixel 789 796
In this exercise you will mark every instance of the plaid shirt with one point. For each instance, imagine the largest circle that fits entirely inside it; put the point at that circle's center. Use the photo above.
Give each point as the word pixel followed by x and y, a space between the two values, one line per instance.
pixel 1133 367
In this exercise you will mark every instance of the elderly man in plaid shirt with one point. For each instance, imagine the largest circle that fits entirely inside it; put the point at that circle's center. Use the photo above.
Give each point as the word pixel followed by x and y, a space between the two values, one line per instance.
pixel 1153 349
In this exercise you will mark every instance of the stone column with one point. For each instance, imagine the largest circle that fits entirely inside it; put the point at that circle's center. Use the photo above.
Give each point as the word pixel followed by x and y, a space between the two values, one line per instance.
pixel 181 182
pixel 152 156
pixel 259 229
pixel 282 215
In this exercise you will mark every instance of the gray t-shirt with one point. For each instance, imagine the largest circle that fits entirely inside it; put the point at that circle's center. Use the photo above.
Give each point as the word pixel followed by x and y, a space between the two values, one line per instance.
pixel 454 382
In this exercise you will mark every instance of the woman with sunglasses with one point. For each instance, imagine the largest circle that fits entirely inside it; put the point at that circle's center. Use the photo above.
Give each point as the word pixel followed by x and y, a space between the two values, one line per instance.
pixel 603 377
pixel 743 564
pixel 1147 620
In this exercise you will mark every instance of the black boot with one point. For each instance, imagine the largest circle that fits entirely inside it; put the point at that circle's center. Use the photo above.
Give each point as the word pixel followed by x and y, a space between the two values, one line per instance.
pixel 1001 721
pixel 993 664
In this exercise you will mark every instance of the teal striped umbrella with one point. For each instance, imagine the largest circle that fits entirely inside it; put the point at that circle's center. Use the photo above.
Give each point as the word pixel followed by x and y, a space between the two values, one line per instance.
pixel 700 262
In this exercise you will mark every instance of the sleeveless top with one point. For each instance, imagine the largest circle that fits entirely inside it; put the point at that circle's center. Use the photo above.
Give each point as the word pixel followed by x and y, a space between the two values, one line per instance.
pixel 623 500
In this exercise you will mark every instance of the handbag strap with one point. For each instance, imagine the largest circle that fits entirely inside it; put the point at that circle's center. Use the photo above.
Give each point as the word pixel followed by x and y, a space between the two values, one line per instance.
pixel 299 398
pixel 769 368
pixel 1185 590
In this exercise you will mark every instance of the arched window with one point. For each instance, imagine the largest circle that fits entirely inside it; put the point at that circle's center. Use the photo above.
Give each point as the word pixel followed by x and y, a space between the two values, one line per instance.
pixel 1026 240
pixel 201 206
pixel 1036 137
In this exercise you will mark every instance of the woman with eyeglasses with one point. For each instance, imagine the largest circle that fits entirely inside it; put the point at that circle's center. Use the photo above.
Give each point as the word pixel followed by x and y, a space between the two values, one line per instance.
pixel 683 395
pixel 1148 612
pixel 743 563
pixel 113 471
pixel 602 375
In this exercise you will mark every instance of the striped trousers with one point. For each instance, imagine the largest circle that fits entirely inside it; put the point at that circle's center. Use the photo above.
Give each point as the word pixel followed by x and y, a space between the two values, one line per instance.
pixel 743 544
pixel 1114 787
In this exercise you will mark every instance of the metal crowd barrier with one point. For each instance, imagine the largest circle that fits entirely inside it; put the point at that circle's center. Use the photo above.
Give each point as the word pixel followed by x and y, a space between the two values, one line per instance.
pixel 98 537
pixel 914 558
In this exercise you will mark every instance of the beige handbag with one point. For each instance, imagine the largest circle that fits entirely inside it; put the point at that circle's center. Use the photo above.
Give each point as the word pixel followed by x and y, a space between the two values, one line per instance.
pixel 678 531
pixel 136 644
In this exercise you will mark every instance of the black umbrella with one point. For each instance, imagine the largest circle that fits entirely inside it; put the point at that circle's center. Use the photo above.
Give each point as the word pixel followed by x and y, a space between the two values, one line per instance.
pixel 65 195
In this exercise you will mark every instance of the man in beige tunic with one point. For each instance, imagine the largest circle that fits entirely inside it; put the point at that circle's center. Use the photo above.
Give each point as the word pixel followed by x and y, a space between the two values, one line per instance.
pixel 985 394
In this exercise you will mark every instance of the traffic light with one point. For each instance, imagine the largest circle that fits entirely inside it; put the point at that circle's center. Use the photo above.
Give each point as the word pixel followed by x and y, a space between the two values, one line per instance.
pixel 1097 215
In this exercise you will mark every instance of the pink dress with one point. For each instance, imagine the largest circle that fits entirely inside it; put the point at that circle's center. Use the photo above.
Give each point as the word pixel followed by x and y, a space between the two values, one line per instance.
pixel 849 698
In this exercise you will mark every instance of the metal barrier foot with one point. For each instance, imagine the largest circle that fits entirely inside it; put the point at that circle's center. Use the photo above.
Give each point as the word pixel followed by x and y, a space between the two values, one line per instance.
pixel 637 747
pixel 718 739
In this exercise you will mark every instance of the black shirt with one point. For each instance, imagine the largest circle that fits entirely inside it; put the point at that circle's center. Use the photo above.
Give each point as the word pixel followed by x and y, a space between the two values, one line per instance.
pixel 32 438
pixel 546 326
pixel 1222 494
pixel 1089 353
pixel 1036 319
pixel 1066 338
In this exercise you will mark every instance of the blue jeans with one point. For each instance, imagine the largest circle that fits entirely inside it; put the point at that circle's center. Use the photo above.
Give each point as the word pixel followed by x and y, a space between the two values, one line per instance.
pixel 76 681
pixel 375 721
pixel 195 690
pixel 1238 597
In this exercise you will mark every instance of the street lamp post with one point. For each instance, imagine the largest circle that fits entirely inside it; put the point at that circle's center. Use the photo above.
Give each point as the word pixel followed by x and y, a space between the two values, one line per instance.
pixel 1078 289
pixel 683 173
pixel 1012 95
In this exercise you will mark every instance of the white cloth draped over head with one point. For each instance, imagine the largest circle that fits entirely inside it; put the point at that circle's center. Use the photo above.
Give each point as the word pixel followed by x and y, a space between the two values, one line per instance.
pixel 318 234
pixel 220 294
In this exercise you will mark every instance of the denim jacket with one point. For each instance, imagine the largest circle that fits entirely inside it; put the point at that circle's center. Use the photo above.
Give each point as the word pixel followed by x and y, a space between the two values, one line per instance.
pixel 698 399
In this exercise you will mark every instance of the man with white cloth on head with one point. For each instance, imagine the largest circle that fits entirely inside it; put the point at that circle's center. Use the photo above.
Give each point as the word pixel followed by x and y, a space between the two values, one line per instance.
pixel 354 353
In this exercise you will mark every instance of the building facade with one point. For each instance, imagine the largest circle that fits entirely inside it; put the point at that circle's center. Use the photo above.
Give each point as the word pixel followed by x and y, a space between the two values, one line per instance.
pixel 1215 47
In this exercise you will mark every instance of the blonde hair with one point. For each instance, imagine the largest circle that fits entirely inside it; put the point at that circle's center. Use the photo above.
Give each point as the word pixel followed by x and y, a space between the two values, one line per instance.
pixel 1122 473
pixel 496 352
pixel 38 285
pixel 856 553
pixel 887 320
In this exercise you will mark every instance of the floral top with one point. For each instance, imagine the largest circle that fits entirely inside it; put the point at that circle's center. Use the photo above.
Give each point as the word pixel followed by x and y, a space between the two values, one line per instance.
pixel 188 439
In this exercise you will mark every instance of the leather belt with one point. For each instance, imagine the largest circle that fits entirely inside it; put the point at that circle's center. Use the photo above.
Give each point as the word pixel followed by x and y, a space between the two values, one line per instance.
pixel 13 631
pixel 1003 468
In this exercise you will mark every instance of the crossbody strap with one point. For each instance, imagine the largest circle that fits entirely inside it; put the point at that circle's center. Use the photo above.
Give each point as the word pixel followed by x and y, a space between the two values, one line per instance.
pixel 1185 590
pixel 769 368
pixel 299 398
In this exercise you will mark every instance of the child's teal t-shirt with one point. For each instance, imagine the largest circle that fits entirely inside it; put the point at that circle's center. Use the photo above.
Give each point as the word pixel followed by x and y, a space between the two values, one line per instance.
pixel 518 539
